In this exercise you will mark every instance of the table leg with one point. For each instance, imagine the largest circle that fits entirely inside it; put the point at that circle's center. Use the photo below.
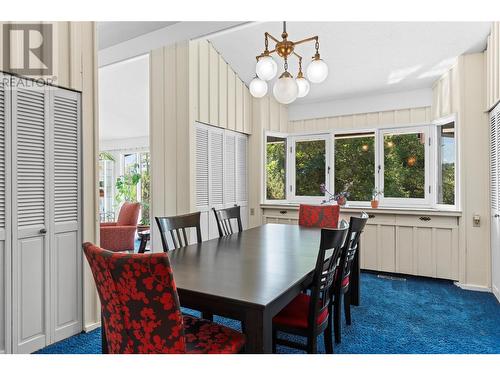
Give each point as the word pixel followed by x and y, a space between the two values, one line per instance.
pixel 142 245
pixel 354 287
pixel 258 327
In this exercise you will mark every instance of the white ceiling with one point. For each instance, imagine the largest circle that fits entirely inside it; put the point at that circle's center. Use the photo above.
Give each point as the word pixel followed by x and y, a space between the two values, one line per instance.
pixel 112 33
pixel 124 99
pixel 363 57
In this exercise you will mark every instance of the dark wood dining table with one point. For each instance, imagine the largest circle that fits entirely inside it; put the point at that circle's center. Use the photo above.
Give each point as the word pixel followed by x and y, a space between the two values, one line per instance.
pixel 250 276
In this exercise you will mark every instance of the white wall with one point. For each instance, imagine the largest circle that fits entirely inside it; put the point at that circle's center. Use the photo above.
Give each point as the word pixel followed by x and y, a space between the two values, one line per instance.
pixel 365 104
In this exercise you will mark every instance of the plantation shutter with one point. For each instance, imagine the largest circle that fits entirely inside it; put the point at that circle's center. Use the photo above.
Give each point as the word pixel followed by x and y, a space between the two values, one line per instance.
pixel 493 161
pixel 230 183
pixel 2 154
pixel 216 149
pixel 241 168
pixel 30 144
pixel 201 166
pixel 65 112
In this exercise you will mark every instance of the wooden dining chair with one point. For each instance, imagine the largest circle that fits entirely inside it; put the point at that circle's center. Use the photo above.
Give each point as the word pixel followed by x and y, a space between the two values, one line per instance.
pixel 307 314
pixel 175 228
pixel 223 218
pixel 340 287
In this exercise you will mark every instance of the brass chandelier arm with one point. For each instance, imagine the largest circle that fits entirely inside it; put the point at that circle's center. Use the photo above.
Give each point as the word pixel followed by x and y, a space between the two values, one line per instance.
pixel 315 38
pixel 267 35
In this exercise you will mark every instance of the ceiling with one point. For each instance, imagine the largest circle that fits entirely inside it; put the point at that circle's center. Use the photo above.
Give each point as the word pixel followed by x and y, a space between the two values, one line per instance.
pixel 363 57
pixel 124 99
pixel 112 33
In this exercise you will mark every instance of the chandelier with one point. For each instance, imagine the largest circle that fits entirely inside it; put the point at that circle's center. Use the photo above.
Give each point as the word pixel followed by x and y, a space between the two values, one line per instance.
pixel 286 89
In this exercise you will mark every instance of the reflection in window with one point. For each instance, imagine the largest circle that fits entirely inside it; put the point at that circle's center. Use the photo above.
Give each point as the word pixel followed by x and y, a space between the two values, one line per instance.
pixel 310 167
pixel 446 164
pixel 404 165
pixel 355 165
pixel 276 168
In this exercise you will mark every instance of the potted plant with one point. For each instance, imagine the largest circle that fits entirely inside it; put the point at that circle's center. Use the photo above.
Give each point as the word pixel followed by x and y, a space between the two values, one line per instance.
pixel 340 198
pixel 375 193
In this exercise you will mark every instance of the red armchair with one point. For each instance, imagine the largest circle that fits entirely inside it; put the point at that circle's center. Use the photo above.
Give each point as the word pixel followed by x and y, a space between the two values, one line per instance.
pixel 141 312
pixel 326 216
pixel 120 235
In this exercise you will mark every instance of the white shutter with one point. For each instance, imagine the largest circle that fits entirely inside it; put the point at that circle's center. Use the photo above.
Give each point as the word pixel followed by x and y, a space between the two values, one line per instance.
pixel 30 143
pixel 241 168
pixel 230 163
pixel 65 113
pixel 494 153
pixel 201 166
pixel 216 149
pixel 2 155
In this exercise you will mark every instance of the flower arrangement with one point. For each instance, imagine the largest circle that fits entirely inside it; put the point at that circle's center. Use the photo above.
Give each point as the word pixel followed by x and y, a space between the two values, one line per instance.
pixel 340 198
pixel 375 193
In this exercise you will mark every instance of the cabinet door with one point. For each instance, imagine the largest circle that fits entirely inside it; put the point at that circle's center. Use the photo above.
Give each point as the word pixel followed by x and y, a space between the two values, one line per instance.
pixel 65 249
pixel 30 212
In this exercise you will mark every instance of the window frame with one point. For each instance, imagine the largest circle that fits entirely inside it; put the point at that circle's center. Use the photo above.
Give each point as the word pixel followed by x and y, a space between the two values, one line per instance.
pixel 453 118
pixel 291 176
pixel 285 136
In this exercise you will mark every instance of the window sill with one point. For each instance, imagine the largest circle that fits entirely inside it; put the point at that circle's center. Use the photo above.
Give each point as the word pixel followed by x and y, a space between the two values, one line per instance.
pixel 380 210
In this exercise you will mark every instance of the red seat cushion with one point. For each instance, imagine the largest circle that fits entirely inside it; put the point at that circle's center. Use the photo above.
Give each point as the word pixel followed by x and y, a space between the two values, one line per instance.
pixel 345 281
pixel 203 336
pixel 296 313
pixel 326 216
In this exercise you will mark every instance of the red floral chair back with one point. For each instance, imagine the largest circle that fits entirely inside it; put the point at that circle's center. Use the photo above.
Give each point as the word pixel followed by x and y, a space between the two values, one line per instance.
pixel 139 302
pixel 326 216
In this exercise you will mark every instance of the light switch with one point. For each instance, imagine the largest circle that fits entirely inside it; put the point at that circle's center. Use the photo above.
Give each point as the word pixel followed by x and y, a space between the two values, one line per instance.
pixel 476 221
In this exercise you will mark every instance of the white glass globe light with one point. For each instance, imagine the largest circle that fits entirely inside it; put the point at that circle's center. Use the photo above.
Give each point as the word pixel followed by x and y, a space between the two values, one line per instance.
pixel 285 89
pixel 303 85
pixel 317 71
pixel 266 68
pixel 258 87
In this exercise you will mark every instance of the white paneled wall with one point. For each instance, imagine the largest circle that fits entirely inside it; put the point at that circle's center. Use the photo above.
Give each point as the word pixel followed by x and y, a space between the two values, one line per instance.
pixel 492 62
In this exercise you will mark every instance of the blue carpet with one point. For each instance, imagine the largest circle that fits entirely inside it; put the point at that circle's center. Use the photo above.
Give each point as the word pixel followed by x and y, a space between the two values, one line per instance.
pixel 396 316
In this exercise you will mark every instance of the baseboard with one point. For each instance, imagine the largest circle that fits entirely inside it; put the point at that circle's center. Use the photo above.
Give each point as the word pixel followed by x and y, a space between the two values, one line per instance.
pixel 476 288
pixel 91 327
pixel 496 292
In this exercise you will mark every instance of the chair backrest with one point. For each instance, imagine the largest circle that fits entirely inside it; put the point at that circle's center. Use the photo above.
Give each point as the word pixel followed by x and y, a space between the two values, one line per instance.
pixel 129 214
pixel 139 302
pixel 325 216
pixel 223 218
pixel 175 227
pixel 326 264
pixel 356 226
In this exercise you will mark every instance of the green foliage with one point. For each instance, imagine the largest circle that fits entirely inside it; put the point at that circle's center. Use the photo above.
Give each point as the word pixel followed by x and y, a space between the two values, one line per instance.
pixel 309 167
pixel 404 166
pixel 126 186
pixel 103 155
pixel 448 175
pixel 354 167
pixel 276 170
pixel 145 189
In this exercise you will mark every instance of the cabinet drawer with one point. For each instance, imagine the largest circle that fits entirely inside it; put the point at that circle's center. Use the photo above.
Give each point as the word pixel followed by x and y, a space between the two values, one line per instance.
pixel 283 212
pixel 427 221
pixel 374 218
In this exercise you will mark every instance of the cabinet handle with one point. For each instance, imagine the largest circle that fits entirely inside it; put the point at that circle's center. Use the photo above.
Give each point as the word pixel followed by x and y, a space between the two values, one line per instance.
pixel 496 215
pixel 283 212
pixel 371 216
pixel 425 218
pixel 43 231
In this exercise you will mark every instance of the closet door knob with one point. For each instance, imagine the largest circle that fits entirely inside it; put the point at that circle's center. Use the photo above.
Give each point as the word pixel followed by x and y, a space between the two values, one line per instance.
pixel 43 231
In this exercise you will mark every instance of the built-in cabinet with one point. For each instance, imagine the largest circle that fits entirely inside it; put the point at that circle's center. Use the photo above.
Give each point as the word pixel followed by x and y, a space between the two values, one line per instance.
pixel 40 217
pixel 417 242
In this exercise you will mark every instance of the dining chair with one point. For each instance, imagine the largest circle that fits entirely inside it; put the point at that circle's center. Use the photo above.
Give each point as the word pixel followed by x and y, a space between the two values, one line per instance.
pixel 307 314
pixel 323 216
pixel 141 312
pixel 223 218
pixel 340 287
pixel 175 228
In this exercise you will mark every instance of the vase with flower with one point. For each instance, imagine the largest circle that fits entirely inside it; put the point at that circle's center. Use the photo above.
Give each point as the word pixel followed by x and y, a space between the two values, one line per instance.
pixel 340 198
pixel 375 194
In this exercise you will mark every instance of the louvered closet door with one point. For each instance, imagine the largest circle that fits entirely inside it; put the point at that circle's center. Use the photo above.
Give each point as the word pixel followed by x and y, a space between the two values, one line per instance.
pixel 30 213
pixel 65 238
pixel 5 237
pixel 216 176
pixel 242 177
pixel 495 198
pixel 202 177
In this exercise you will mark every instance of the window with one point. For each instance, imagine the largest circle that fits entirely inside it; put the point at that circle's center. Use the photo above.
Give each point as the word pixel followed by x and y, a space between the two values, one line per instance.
pixel 446 165
pixel 309 166
pixel 275 168
pixel 354 167
pixel 405 165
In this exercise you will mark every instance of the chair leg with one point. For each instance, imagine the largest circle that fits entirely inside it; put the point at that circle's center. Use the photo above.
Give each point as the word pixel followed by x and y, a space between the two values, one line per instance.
pixel 327 336
pixel 312 344
pixel 347 308
pixel 274 341
pixel 207 316
pixel 337 318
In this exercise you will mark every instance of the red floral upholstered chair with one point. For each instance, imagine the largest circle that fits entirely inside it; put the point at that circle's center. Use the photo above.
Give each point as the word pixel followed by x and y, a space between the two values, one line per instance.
pixel 141 312
pixel 120 235
pixel 326 216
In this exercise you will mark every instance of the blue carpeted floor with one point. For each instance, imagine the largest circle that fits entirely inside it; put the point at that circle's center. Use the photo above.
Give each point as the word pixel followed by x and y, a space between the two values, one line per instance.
pixel 396 316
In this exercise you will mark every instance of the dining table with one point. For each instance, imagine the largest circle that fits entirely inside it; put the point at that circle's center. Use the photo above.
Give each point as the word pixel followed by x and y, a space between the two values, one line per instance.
pixel 251 276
